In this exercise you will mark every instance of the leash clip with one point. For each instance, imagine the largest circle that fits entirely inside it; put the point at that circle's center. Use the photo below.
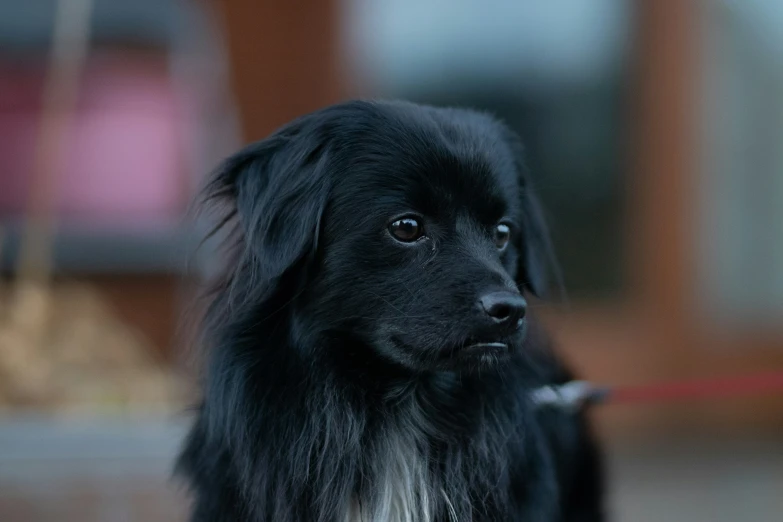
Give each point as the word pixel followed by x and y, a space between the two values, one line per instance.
pixel 571 396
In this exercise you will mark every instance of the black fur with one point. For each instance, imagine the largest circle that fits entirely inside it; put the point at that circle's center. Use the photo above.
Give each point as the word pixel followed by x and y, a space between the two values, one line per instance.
pixel 333 347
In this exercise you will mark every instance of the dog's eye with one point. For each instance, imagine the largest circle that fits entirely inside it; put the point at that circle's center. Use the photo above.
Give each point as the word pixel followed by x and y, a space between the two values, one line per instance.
pixel 502 235
pixel 406 229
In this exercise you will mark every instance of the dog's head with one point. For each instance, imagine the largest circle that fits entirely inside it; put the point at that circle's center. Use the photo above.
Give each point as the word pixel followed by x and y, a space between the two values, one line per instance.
pixel 410 229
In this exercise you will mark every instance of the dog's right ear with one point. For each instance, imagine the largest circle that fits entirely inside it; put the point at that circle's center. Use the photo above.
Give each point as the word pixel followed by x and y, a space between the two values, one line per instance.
pixel 537 258
pixel 276 191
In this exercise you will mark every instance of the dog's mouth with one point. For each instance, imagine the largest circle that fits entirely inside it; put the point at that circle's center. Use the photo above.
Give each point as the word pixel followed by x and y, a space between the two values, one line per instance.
pixel 475 346
pixel 470 349
pixel 478 346
pixel 489 345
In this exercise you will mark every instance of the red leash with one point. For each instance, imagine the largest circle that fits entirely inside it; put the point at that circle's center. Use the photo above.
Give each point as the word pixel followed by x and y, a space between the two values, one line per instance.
pixel 696 389
pixel 575 394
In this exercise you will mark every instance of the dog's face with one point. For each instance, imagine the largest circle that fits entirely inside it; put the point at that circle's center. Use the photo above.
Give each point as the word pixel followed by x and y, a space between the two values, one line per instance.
pixel 409 228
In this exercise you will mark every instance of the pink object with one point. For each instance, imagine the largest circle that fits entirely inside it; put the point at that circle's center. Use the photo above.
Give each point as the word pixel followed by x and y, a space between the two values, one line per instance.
pixel 122 163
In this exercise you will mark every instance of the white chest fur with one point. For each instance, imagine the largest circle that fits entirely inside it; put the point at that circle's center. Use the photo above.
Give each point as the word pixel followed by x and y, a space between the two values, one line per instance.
pixel 403 489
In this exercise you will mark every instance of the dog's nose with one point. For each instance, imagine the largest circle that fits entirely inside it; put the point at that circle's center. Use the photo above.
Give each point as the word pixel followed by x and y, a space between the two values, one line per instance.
pixel 503 307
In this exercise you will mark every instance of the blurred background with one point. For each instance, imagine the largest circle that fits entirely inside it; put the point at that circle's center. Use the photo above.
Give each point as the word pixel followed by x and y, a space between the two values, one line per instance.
pixel 654 131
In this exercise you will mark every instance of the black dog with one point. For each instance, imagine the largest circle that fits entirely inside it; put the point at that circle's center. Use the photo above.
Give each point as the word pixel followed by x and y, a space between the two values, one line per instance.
pixel 370 354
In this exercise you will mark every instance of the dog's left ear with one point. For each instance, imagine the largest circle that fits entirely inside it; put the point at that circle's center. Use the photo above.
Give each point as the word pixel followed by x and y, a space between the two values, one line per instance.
pixel 276 191
pixel 536 258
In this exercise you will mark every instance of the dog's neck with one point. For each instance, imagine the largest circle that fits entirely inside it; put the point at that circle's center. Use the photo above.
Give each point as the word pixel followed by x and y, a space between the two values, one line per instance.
pixel 398 484
pixel 413 421
pixel 392 446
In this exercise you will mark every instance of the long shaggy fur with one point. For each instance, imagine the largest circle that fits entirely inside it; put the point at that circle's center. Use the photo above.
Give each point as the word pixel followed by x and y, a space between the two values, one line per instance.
pixel 337 387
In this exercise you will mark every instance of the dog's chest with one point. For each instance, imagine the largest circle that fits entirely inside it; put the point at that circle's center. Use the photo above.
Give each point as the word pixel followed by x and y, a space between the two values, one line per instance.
pixel 401 485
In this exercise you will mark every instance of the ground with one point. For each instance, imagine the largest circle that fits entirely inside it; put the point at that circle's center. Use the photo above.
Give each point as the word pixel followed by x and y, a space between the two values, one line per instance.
pixel 119 471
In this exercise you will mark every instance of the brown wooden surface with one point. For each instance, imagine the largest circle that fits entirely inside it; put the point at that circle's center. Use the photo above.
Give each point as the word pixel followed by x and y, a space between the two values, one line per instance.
pixel 284 59
pixel 663 153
